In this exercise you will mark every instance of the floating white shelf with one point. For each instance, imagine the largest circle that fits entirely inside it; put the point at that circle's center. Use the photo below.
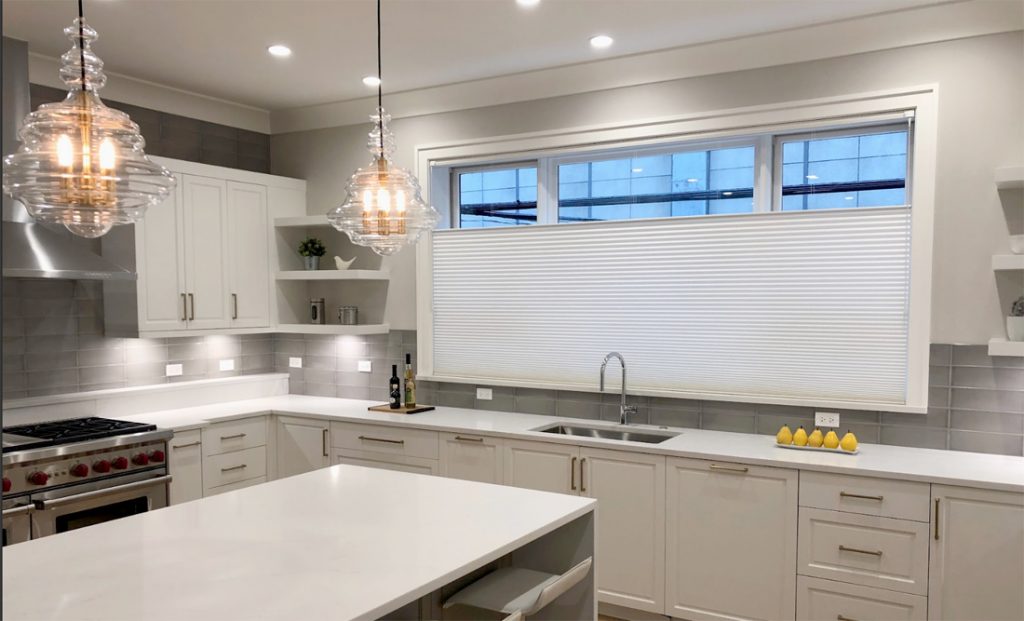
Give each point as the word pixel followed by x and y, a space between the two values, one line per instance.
pixel 308 328
pixel 302 221
pixel 334 275
pixel 1010 177
pixel 1002 347
pixel 1008 262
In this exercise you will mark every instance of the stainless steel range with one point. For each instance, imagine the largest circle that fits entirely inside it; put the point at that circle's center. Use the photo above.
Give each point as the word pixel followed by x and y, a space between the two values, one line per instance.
pixel 63 475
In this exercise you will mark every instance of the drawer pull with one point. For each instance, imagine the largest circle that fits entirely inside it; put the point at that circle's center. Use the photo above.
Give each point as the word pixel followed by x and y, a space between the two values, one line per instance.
pixel 181 446
pixel 468 439
pixel 879 498
pixel 233 437
pixel 233 468
pixel 740 470
pixel 877 553
pixel 572 474
pixel 371 439
pixel 844 618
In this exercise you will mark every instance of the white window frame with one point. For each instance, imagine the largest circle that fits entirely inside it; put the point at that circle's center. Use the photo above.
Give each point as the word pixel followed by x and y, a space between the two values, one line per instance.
pixel 772 119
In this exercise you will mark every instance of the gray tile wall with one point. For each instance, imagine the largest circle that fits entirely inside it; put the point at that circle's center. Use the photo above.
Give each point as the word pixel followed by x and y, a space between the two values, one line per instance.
pixel 53 343
pixel 184 138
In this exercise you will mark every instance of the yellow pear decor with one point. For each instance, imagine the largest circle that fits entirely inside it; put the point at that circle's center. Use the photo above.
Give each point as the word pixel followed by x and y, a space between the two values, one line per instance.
pixel 815 439
pixel 849 442
pixel 785 436
pixel 831 440
pixel 800 437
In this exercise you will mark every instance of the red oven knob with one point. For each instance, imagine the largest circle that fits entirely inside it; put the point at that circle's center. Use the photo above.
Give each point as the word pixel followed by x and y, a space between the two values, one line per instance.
pixel 79 470
pixel 38 478
pixel 156 456
pixel 102 466
pixel 7 485
pixel 141 459
pixel 120 463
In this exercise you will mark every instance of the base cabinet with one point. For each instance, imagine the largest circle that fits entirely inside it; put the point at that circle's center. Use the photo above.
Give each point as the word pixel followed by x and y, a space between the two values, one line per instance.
pixel 185 465
pixel 303 445
pixel 471 457
pixel 384 461
pixel 977 555
pixel 827 600
pixel 542 466
pixel 731 540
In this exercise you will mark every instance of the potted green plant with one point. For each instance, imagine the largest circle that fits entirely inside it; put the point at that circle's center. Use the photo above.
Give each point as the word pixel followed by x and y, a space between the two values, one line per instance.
pixel 1015 322
pixel 312 249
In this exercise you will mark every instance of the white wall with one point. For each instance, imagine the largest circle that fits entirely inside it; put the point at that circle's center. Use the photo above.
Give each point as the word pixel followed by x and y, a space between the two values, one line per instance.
pixel 981 127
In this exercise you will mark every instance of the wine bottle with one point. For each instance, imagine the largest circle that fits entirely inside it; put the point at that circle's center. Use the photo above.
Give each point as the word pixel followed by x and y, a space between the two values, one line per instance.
pixel 395 387
pixel 410 383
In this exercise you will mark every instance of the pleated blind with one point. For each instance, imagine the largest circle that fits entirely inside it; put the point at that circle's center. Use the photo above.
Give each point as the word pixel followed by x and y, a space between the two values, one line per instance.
pixel 777 306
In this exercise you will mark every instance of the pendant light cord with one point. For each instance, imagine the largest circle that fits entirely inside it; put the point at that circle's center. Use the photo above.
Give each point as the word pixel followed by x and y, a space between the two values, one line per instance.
pixel 380 89
pixel 81 41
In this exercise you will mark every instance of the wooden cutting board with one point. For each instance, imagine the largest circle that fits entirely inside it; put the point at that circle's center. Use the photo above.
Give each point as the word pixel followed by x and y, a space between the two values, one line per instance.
pixel 416 409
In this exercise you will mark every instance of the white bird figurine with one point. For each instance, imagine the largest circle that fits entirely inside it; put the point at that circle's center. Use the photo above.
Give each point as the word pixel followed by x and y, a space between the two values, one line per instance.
pixel 341 264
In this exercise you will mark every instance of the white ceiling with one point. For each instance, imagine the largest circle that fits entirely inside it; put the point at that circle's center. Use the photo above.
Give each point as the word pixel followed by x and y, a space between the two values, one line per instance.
pixel 218 47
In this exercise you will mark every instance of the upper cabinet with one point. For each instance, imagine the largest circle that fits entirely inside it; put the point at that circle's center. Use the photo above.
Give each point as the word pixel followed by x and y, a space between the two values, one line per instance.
pixel 202 256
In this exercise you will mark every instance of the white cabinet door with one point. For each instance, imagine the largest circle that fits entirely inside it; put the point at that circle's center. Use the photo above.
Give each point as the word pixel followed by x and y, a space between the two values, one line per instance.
pixel 630 490
pixel 977 555
pixel 731 534
pixel 471 457
pixel 185 465
pixel 248 255
pixel 160 264
pixel 302 445
pixel 543 466
pixel 385 461
pixel 206 228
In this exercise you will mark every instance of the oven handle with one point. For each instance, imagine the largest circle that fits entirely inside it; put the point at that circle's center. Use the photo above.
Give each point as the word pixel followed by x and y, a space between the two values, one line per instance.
pixel 42 505
pixel 17 510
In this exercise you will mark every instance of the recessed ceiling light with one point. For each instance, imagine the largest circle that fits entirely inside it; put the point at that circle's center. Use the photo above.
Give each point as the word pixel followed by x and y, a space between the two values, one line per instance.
pixel 528 4
pixel 849 198
pixel 692 180
pixel 371 80
pixel 601 41
pixel 726 193
pixel 812 177
pixel 281 51
pixel 638 170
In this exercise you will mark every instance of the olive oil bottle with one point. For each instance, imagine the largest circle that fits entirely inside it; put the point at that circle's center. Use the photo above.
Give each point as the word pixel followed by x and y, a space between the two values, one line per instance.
pixel 410 383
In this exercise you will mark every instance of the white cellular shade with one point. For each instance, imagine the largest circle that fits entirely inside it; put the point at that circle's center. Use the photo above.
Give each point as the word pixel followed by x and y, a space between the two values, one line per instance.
pixel 774 306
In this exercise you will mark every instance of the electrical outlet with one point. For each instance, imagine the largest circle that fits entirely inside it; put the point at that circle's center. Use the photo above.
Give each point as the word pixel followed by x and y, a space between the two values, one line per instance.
pixel 227 364
pixel 365 366
pixel 295 362
pixel 826 419
pixel 173 370
pixel 484 394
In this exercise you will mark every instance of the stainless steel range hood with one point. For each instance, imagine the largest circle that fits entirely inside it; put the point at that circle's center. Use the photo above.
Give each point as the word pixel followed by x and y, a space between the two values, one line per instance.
pixel 32 250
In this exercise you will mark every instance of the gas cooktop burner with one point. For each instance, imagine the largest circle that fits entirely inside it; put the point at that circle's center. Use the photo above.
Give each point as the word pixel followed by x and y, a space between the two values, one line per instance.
pixel 68 431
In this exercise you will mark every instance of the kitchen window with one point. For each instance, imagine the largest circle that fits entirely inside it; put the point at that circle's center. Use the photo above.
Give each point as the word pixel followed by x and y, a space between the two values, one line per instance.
pixel 496 196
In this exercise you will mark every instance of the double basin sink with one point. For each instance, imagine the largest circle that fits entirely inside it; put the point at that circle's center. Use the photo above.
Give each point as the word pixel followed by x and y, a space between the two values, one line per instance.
pixel 626 434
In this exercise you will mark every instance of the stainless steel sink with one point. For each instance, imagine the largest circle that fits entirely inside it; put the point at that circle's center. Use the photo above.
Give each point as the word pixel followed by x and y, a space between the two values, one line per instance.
pixel 610 433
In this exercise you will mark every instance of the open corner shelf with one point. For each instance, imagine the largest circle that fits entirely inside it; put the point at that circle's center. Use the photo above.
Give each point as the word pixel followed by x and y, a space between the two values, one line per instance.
pixel 301 221
pixel 1003 347
pixel 1010 177
pixel 1001 262
pixel 383 274
pixel 308 328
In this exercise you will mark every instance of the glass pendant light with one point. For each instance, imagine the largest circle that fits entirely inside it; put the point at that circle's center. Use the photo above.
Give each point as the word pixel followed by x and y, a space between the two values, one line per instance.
pixel 81 164
pixel 383 209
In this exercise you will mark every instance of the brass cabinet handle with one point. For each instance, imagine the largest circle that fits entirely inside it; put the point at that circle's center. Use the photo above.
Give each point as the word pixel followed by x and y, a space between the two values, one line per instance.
pixel 879 498
pixel 468 439
pixel 234 306
pixel 741 470
pixel 369 439
pixel 842 618
pixel 192 307
pixel 936 519
pixel 877 553
pixel 572 474
pixel 326 431
pixel 583 484
pixel 181 446
pixel 240 467
pixel 184 308
pixel 233 437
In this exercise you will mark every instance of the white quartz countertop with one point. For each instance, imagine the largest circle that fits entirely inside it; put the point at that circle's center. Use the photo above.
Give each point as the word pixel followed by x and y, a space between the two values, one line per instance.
pixel 981 470
pixel 344 542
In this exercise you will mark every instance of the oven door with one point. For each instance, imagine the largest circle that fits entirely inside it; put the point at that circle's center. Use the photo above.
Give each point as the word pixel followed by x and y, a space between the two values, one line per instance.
pixel 17 521
pixel 67 509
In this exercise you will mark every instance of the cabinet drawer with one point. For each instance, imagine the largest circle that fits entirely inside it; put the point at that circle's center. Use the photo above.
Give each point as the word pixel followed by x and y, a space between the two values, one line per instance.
pixel 230 487
pixel 382 439
pixel 235 466
pixel 234 435
pixel 825 600
pixel 887 498
pixel 416 465
pixel 864 549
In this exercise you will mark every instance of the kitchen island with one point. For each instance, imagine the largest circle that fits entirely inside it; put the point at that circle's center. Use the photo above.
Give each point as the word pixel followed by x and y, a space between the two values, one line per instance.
pixel 344 542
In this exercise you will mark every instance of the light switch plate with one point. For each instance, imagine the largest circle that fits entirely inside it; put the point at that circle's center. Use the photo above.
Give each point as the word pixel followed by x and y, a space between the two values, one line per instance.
pixel 365 366
pixel 484 394
pixel 295 362
pixel 826 419
pixel 227 364
pixel 173 370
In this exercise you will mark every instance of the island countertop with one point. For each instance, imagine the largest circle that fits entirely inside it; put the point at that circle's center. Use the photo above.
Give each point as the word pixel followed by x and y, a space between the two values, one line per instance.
pixel 343 542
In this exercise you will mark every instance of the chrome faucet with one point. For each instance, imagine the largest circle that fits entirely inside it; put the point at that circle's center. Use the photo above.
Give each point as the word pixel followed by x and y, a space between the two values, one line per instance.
pixel 624 410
